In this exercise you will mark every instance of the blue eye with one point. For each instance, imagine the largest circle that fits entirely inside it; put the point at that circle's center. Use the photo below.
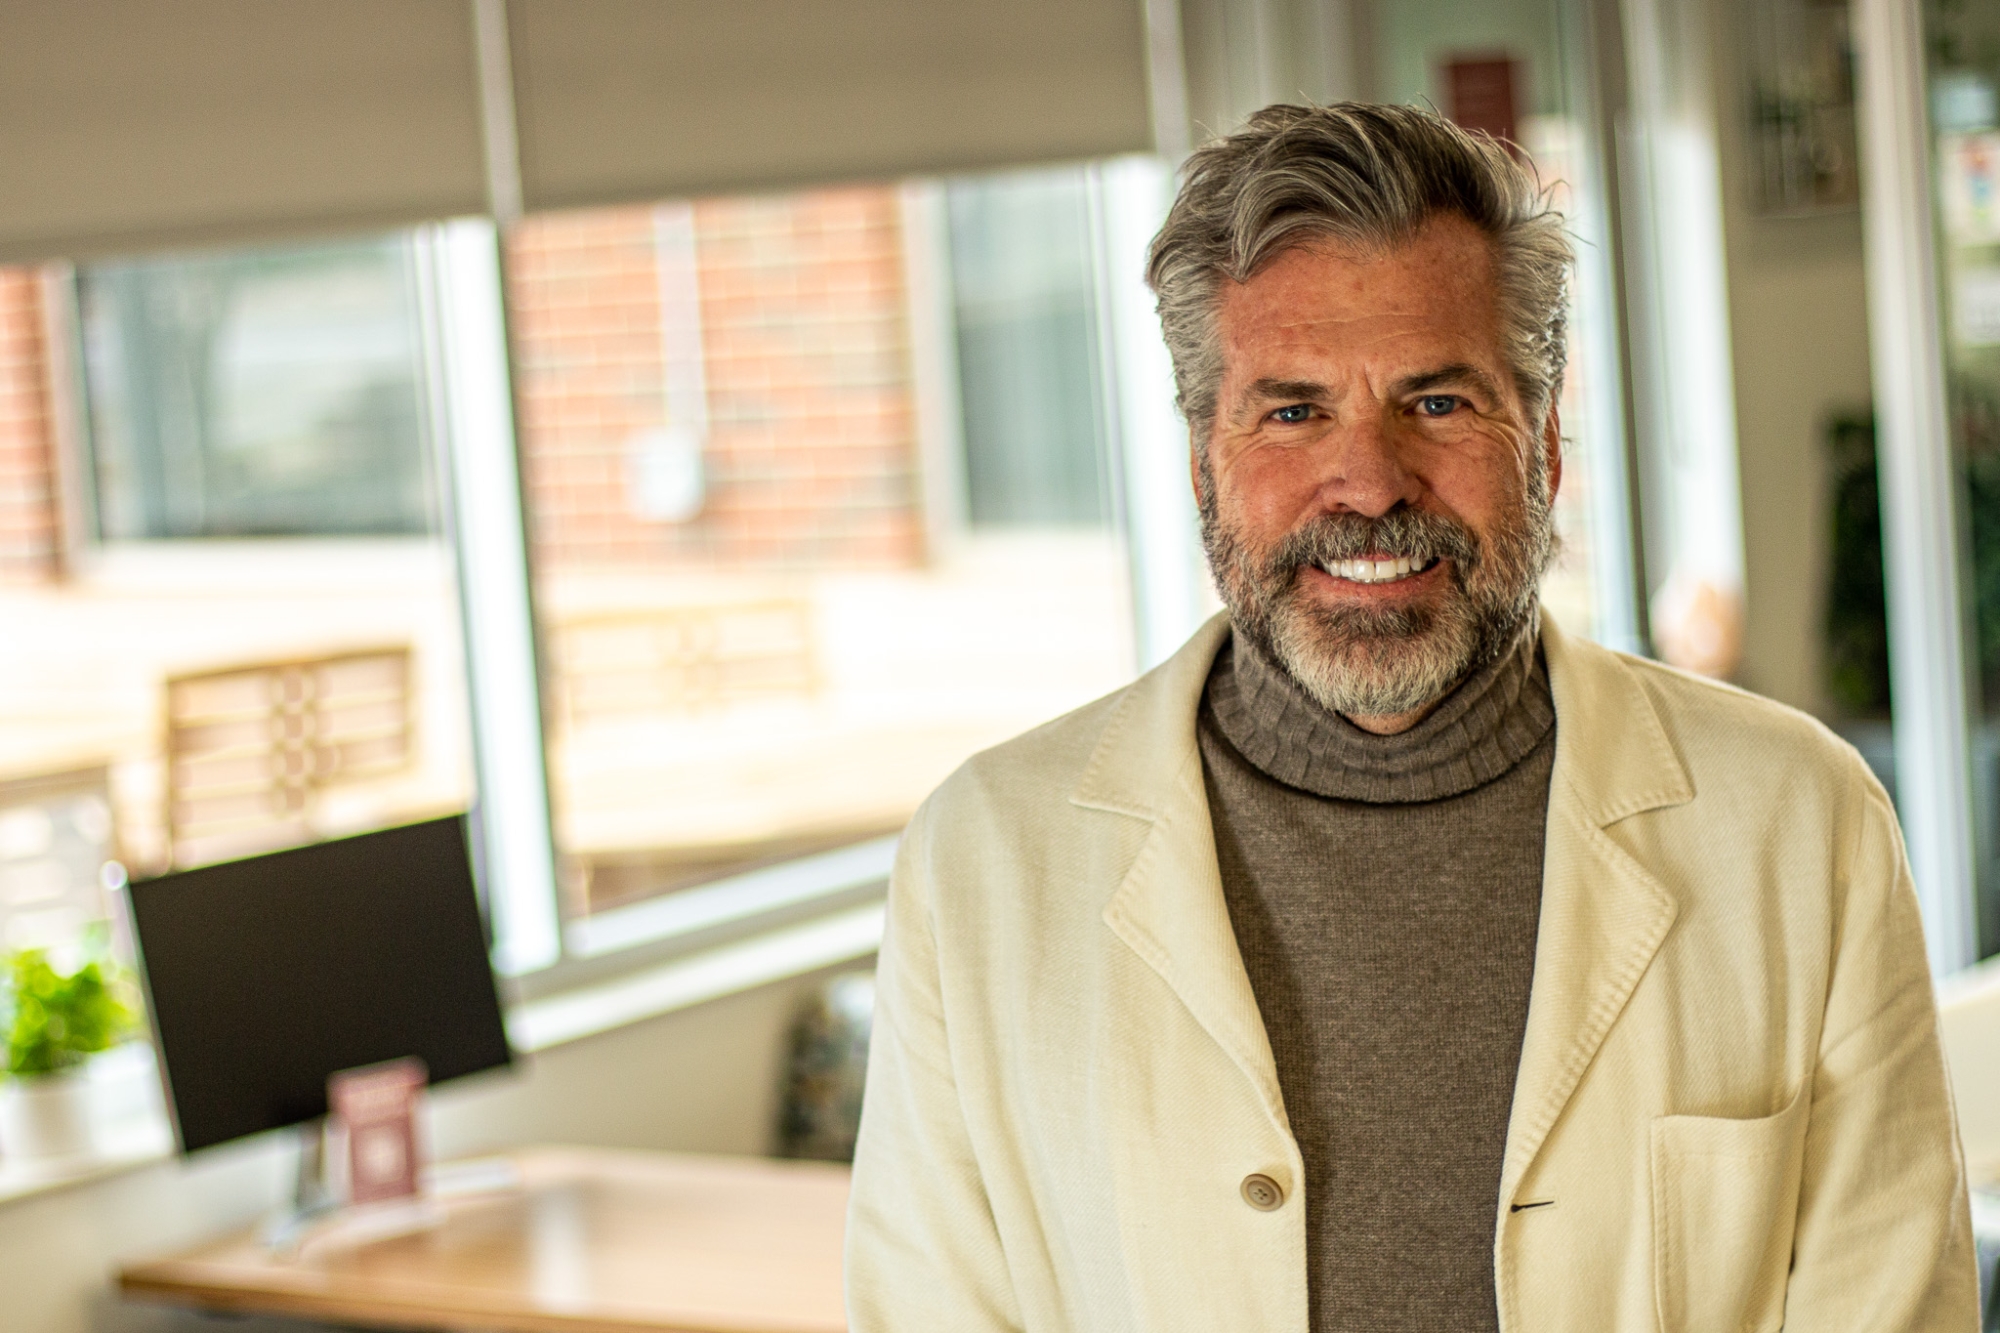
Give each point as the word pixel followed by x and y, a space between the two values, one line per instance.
pixel 1437 404
pixel 1294 415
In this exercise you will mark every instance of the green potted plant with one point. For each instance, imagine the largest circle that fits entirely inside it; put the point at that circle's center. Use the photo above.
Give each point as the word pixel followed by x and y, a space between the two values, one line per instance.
pixel 54 1022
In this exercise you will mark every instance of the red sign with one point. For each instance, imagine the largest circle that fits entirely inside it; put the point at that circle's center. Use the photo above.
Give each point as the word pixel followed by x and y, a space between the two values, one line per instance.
pixel 377 1107
pixel 1480 93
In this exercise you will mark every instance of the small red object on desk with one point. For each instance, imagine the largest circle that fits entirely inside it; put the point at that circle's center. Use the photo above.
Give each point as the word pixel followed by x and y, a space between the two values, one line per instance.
pixel 377 1108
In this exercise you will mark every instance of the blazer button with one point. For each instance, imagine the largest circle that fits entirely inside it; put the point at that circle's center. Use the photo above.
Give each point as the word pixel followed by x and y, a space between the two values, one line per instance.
pixel 1262 1193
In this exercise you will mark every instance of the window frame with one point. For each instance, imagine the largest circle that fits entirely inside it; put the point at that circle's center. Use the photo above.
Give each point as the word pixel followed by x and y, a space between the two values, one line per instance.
pixel 469 397
pixel 552 957
pixel 550 953
pixel 539 943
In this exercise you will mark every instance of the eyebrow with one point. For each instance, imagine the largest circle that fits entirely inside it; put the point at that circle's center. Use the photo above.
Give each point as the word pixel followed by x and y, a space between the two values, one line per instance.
pixel 1444 377
pixel 1293 390
pixel 1457 373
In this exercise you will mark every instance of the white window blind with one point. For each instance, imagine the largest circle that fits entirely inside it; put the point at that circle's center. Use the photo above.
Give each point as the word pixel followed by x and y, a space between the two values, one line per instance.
pixel 132 125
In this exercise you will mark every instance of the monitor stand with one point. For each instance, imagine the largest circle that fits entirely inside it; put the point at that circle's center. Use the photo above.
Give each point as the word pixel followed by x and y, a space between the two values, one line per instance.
pixel 311 1200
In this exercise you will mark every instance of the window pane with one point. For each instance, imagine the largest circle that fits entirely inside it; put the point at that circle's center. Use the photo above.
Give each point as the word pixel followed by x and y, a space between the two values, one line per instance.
pixel 169 703
pixel 1569 590
pixel 269 393
pixel 769 626
pixel 1964 46
pixel 1021 273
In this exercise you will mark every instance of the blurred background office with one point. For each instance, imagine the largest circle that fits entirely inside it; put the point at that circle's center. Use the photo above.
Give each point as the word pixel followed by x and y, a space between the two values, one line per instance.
pixel 683 433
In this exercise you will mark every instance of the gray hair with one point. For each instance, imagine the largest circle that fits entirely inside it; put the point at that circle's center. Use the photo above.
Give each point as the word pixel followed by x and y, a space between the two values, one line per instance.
pixel 1363 176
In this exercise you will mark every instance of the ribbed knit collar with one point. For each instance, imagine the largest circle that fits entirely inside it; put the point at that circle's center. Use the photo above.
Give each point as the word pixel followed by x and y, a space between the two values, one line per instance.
pixel 1488 724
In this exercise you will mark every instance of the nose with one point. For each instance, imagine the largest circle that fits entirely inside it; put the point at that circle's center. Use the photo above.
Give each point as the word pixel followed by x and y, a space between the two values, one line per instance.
pixel 1361 471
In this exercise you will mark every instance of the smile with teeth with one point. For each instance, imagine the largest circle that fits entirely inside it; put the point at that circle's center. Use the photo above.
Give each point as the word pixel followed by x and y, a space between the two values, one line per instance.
pixel 1376 571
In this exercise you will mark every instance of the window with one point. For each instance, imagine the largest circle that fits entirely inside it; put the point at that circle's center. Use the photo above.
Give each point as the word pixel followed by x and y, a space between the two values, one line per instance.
pixel 769 629
pixel 271 393
pixel 1033 413
pixel 823 493
pixel 819 503
pixel 1963 83
pixel 166 702
pixel 818 507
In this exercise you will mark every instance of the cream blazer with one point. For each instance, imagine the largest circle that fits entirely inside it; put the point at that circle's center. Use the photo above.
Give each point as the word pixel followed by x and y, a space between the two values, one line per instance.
pixel 1731 1112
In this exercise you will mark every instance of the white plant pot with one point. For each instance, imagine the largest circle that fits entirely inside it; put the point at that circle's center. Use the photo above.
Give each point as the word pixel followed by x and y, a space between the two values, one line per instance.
pixel 46 1118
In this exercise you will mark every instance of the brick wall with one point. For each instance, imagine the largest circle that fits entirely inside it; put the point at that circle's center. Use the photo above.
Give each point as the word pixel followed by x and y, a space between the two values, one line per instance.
pixel 583 302
pixel 30 540
pixel 810 458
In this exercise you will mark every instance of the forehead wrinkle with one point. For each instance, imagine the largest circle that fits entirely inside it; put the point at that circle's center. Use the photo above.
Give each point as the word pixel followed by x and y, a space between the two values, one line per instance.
pixel 1328 315
pixel 1346 331
pixel 1363 326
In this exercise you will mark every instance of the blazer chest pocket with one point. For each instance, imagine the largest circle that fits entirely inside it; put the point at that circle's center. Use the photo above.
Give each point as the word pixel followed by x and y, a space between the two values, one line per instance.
pixel 1725 1196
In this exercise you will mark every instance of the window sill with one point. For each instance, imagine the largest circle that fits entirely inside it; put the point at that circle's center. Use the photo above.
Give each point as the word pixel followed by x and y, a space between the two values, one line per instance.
pixel 129 1124
pixel 133 1136
pixel 711 974
pixel 143 1144
pixel 737 899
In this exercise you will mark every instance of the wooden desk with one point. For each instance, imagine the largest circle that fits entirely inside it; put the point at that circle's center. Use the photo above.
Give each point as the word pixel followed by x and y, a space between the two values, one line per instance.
pixel 597 1242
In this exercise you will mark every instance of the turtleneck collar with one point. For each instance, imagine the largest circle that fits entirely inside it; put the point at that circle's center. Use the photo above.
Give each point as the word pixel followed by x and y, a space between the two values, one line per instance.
pixel 1486 725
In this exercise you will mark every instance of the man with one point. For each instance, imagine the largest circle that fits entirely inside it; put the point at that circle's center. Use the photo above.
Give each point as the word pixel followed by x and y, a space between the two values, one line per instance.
pixel 1387 960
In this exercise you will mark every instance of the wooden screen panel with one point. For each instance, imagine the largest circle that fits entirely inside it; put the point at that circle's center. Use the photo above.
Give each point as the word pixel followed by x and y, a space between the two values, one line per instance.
pixel 250 747
pixel 667 662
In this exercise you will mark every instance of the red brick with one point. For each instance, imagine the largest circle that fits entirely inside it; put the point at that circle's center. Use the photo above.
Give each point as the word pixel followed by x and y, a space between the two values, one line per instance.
pixel 810 455
pixel 29 537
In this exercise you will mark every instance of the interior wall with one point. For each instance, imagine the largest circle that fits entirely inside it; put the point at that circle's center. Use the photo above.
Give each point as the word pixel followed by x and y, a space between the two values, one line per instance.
pixel 701 1080
pixel 1801 357
pixel 1799 329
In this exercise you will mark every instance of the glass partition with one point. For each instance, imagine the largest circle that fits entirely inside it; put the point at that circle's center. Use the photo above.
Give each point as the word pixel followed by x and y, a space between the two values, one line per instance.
pixel 1963 44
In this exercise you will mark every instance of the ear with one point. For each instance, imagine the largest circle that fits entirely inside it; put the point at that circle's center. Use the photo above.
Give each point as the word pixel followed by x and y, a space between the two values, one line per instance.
pixel 1552 449
pixel 1194 466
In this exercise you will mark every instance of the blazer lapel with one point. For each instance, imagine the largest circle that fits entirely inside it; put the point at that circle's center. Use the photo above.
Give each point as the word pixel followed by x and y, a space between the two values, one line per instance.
pixel 1169 909
pixel 1604 916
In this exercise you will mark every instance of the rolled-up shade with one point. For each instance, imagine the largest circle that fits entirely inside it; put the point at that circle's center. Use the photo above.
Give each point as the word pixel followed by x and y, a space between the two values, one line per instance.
pixel 644 98
pixel 130 125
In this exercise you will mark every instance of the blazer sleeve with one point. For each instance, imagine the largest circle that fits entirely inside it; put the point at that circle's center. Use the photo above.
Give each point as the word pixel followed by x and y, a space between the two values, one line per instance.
pixel 1884 1235
pixel 923 1253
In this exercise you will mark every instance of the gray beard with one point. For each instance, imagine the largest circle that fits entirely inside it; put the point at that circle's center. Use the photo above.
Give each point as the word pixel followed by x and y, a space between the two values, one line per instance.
pixel 1368 663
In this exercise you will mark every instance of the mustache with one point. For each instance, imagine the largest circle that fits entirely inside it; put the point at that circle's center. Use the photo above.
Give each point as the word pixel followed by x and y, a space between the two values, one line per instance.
pixel 1400 534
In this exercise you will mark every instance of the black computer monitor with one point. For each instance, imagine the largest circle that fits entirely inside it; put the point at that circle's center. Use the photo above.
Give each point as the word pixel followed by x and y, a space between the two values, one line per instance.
pixel 268 974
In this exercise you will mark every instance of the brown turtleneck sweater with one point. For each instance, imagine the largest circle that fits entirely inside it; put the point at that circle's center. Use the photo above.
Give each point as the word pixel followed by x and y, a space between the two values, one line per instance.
pixel 1385 892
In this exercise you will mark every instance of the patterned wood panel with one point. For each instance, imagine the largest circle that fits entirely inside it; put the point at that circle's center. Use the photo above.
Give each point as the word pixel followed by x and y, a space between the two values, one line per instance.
pixel 250 748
